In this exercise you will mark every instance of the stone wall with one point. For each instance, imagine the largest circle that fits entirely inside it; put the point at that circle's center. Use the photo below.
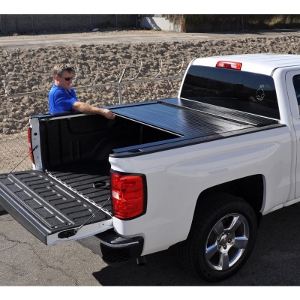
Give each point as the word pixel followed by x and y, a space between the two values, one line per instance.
pixel 28 24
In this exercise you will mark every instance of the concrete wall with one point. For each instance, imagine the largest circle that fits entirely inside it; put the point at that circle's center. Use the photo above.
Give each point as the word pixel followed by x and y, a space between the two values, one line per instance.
pixel 160 23
pixel 63 23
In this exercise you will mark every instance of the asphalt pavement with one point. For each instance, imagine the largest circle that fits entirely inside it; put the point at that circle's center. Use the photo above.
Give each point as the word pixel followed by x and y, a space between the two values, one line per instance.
pixel 25 261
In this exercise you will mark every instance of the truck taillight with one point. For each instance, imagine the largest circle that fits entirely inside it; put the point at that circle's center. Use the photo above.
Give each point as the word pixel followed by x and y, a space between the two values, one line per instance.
pixel 30 145
pixel 229 65
pixel 128 195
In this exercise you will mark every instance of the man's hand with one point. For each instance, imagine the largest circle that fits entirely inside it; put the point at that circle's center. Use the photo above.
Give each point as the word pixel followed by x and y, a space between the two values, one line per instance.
pixel 88 109
pixel 107 113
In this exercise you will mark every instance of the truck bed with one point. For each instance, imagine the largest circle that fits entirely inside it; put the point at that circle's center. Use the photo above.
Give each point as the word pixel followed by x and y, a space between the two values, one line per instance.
pixel 90 180
pixel 72 188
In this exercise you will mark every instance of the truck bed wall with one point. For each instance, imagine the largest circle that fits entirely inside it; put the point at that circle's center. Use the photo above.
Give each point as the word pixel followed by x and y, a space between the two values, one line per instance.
pixel 77 140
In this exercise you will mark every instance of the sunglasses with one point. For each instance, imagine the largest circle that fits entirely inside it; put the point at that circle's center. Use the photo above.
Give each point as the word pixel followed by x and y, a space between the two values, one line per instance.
pixel 67 78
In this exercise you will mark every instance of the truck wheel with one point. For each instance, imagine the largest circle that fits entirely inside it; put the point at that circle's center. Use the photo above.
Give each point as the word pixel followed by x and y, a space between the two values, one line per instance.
pixel 222 237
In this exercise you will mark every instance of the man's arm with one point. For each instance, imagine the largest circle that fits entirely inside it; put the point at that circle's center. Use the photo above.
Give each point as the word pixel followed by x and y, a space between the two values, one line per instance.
pixel 88 109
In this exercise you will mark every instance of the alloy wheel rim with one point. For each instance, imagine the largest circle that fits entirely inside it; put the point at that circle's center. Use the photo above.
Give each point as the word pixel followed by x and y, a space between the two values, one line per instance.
pixel 227 241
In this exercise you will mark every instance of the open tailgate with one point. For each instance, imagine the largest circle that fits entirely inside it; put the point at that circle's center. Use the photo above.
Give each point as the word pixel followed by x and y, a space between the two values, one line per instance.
pixel 51 211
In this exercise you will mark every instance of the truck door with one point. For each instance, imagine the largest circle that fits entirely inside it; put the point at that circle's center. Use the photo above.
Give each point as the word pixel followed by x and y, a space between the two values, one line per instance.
pixel 293 91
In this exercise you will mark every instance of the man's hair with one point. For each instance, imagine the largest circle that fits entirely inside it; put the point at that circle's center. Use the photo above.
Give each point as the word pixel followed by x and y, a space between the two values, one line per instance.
pixel 59 69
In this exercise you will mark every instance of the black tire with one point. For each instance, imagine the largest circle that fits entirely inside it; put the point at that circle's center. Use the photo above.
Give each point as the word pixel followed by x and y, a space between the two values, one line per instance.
pixel 221 238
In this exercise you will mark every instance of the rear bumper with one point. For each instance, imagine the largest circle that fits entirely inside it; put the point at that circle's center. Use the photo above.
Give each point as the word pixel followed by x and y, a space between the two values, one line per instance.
pixel 117 250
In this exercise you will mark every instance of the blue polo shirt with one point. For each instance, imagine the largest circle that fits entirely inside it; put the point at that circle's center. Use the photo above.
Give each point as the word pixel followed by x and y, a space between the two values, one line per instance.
pixel 61 100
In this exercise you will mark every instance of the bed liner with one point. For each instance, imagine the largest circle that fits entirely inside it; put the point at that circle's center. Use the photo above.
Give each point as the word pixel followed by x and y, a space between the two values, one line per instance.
pixel 40 202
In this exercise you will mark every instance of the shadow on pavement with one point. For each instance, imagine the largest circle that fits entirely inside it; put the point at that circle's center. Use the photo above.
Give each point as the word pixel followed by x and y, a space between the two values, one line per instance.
pixel 3 212
pixel 275 260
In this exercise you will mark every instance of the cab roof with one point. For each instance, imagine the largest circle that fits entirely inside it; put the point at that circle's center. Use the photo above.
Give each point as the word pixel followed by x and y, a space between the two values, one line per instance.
pixel 263 63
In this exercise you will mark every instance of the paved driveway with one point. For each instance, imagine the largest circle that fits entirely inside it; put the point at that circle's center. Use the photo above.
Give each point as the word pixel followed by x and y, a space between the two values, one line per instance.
pixel 25 261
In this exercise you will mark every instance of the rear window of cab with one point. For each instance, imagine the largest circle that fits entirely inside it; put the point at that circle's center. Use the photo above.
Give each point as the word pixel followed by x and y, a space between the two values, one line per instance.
pixel 235 89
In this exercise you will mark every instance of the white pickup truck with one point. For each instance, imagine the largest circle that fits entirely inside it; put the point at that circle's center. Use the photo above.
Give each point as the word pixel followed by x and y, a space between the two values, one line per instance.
pixel 197 171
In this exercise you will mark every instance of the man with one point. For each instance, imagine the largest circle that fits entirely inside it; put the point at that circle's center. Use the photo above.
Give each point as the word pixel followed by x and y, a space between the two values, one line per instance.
pixel 62 98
